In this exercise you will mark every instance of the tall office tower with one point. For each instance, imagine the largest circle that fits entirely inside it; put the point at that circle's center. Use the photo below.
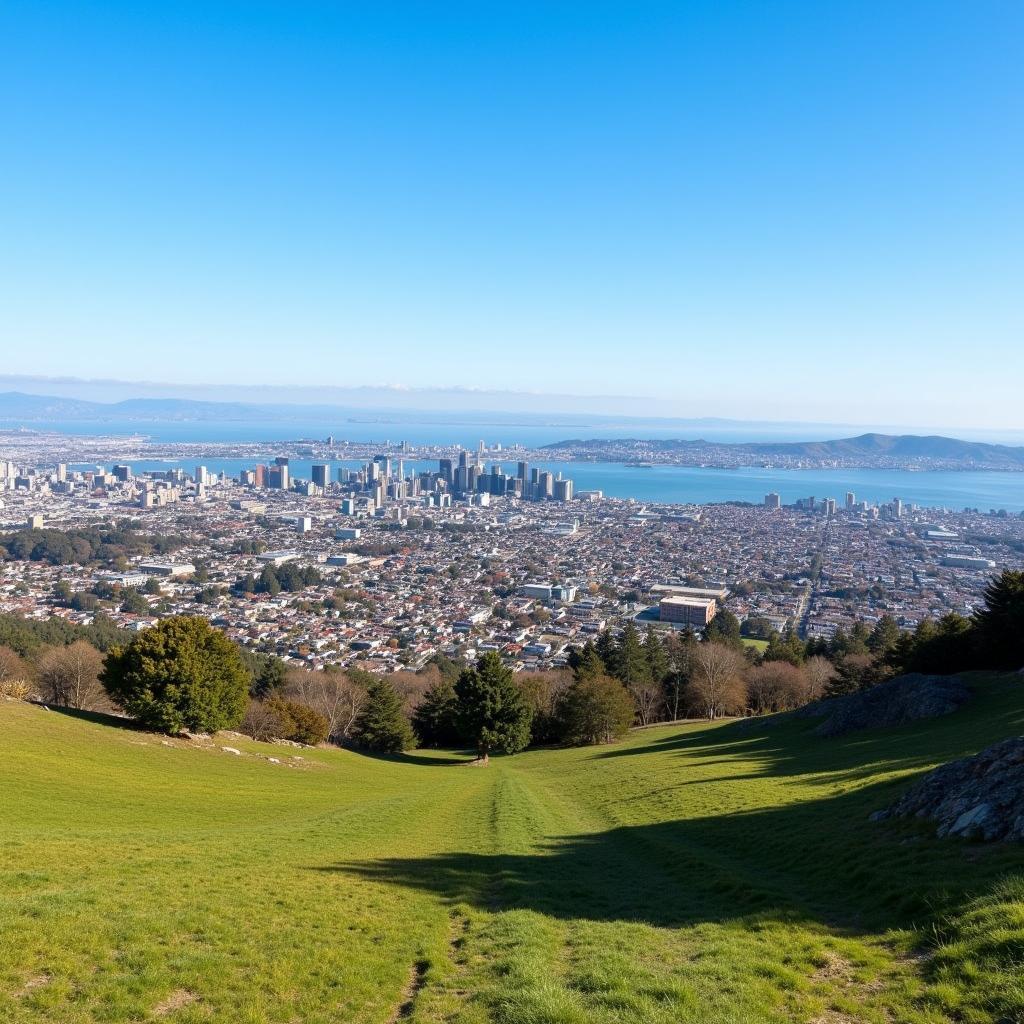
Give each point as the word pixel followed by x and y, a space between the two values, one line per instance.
pixel 463 460
pixel 373 472
pixel 445 471
pixel 320 476
pixel 563 490
pixel 123 473
pixel 472 475
pixel 400 470
pixel 62 472
pixel 851 499
pixel 772 500
pixel 545 485
pixel 481 447
pixel 385 465
pixel 897 507
pixel 830 506
pixel 201 478
pixel 260 476
pixel 522 470
pixel 283 476
pixel 378 493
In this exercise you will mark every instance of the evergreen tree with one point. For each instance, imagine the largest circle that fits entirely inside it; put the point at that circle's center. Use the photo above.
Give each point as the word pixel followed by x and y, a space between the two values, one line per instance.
pixel 725 628
pixel 884 637
pixel 607 651
pixel 631 667
pixel 492 713
pixel 657 658
pixel 596 709
pixel 181 674
pixel 1000 624
pixel 435 718
pixel 382 726
pixel 586 662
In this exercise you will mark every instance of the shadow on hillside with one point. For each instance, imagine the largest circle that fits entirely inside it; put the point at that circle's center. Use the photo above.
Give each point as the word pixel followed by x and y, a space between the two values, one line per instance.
pixel 784 745
pixel 414 757
pixel 820 861
pixel 110 719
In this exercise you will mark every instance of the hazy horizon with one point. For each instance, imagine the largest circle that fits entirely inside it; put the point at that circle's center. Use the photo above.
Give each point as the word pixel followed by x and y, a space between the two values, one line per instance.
pixel 810 212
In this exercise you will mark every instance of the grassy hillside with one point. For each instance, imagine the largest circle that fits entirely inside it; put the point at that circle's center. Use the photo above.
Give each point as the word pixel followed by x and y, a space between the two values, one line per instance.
pixel 698 873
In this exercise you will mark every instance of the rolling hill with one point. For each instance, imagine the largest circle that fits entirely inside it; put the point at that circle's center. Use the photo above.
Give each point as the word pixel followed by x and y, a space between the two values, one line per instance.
pixel 702 873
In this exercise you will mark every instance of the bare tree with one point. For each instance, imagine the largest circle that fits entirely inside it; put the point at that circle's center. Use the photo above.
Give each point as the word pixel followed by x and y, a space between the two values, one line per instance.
pixel 69 676
pixel 818 673
pixel 716 679
pixel 13 668
pixel 647 696
pixel 338 696
pixel 774 686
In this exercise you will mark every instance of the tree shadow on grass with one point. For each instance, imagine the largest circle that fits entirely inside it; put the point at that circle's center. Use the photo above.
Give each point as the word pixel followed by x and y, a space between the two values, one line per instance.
pixel 820 860
pixel 110 719
pixel 784 745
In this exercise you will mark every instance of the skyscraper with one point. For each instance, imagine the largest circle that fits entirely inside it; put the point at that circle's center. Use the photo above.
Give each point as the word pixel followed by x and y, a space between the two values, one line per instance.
pixel 320 475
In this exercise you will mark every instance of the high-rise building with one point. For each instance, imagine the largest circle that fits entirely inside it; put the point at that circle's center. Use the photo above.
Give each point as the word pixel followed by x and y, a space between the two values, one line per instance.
pixel 851 499
pixel 772 500
pixel 320 476
pixel 445 471
pixel 122 473
pixel 563 490
pixel 522 471
pixel 545 485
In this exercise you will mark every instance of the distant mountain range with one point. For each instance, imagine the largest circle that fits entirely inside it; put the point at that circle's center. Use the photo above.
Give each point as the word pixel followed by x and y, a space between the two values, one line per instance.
pixel 910 450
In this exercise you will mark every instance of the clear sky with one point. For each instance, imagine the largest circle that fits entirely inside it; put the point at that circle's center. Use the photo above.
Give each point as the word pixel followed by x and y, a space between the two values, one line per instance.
pixel 766 210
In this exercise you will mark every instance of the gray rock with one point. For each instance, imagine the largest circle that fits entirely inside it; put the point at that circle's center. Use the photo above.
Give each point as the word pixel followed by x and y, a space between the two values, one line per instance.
pixel 979 797
pixel 897 701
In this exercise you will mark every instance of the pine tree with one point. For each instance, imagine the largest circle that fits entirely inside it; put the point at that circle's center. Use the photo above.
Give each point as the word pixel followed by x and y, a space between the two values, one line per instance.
pixel 1000 624
pixel 382 725
pixel 632 667
pixel 657 658
pixel 492 713
pixel 434 719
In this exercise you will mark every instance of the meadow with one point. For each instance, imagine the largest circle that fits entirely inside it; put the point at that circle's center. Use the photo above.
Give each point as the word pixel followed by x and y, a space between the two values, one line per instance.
pixel 704 873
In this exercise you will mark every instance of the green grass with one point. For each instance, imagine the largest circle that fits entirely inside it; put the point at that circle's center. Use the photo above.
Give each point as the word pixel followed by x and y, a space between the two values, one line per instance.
pixel 758 645
pixel 698 873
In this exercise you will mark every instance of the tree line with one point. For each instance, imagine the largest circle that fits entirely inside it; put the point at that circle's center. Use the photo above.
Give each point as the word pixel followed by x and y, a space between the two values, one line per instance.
pixel 185 675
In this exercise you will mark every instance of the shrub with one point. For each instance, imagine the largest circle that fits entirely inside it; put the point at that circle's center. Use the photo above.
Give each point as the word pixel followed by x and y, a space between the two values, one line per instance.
pixel 596 709
pixel 181 674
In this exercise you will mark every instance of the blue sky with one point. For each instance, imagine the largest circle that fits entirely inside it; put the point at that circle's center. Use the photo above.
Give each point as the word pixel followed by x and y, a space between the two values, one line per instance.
pixel 761 210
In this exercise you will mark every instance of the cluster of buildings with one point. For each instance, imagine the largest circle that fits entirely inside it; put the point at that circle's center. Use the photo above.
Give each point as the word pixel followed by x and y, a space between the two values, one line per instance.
pixel 465 559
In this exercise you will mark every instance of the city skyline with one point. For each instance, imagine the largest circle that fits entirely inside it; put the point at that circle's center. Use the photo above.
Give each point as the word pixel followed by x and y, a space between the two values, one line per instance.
pixel 800 213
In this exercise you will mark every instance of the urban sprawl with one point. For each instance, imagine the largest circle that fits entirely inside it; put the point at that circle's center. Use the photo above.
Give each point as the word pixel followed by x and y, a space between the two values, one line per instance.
pixel 386 565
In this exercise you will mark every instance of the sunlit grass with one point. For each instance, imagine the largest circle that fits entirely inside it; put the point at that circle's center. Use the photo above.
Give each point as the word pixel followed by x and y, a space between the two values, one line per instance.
pixel 703 873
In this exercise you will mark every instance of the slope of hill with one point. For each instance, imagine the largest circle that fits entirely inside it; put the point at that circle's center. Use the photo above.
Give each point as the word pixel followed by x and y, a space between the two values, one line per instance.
pixel 704 873
pixel 866 449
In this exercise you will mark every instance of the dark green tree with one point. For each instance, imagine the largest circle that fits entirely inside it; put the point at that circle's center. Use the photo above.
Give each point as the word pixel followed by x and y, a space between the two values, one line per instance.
pixel 381 725
pixel 435 719
pixel 725 628
pixel 999 626
pixel 884 637
pixel 657 657
pixel 595 709
pixel 492 713
pixel 134 603
pixel 181 674
pixel 631 666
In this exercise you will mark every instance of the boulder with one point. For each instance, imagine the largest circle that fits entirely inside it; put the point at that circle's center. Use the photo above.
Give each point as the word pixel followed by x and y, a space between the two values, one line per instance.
pixel 979 797
pixel 231 750
pixel 897 701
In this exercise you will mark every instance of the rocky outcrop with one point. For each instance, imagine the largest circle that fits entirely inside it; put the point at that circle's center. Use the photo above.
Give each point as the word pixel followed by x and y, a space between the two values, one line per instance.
pixel 897 701
pixel 980 797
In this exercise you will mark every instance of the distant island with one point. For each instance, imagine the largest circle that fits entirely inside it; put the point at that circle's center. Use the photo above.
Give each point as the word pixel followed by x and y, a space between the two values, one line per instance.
pixel 868 451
